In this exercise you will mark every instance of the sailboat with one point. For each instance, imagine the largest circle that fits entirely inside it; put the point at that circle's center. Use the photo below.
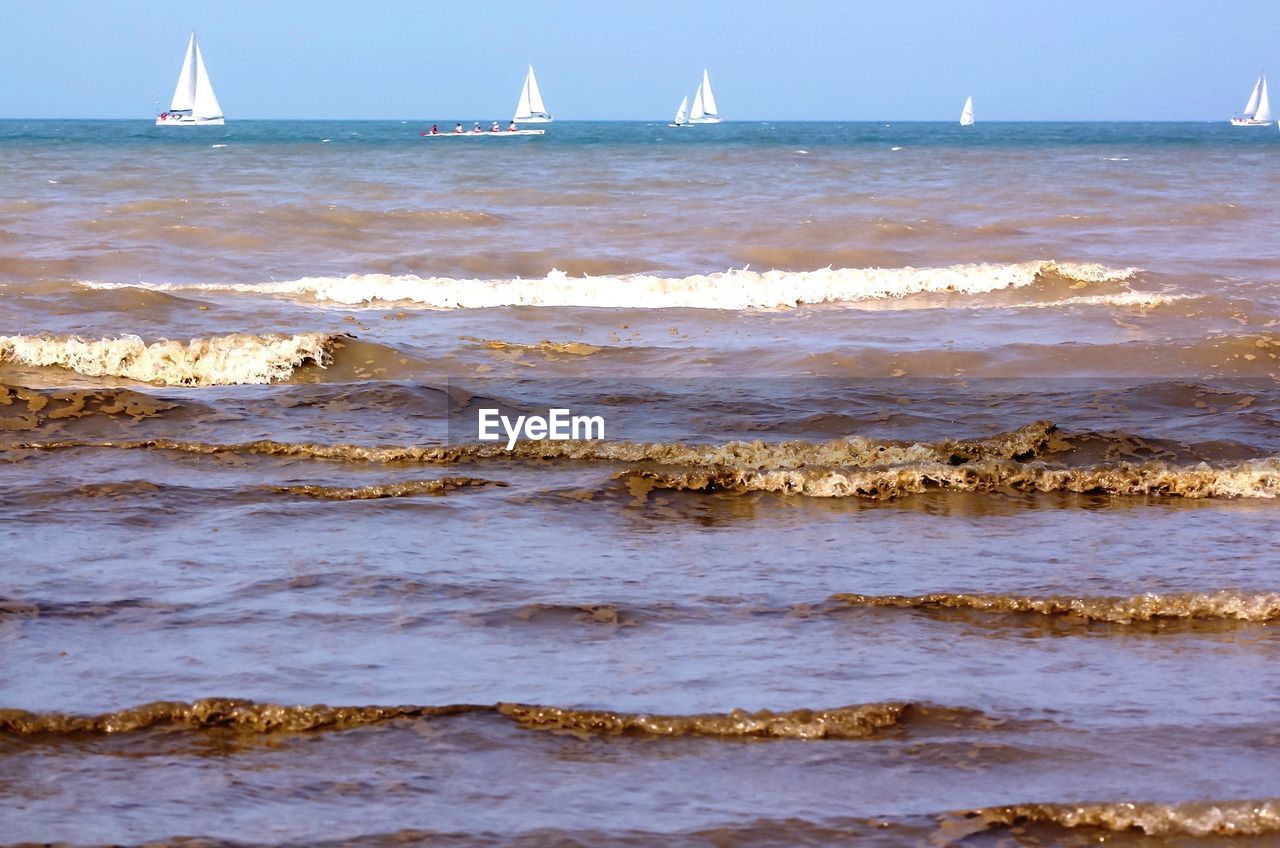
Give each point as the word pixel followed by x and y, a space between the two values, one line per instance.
pixel 531 109
pixel 704 103
pixel 966 114
pixel 682 114
pixel 1257 112
pixel 194 103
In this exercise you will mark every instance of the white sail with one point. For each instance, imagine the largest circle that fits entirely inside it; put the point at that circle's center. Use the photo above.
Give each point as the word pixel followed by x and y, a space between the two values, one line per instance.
pixel 184 95
pixel 536 106
pixel 966 114
pixel 708 98
pixel 697 113
pixel 682 113
pixel 522 108
pixel 1252 106
pixel 1263 112
pixel 205 102
pixel 531 109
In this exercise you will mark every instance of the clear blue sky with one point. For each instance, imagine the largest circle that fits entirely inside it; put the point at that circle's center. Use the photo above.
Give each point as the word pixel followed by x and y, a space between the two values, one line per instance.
pixel 598 59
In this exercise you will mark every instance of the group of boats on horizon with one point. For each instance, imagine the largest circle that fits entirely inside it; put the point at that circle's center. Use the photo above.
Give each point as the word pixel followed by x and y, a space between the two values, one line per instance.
pixel 195 104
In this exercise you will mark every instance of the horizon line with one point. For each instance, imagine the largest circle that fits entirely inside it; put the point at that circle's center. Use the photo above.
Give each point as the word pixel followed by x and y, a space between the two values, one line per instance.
pixel 667 120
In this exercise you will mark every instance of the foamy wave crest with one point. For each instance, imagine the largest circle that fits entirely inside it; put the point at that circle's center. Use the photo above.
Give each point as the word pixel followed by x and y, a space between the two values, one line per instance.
pixel 218 361
pixel 1233 818
pixel 1229 606
pixel 1249 479
pixel 735 289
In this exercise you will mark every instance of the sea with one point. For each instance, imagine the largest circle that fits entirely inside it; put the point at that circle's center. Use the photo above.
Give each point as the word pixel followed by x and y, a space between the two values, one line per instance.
pixel 932 499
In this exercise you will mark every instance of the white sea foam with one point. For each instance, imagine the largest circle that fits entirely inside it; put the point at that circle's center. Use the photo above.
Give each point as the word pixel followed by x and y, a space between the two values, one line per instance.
pixel 735 289
pixel 1136 299
pixel 218 361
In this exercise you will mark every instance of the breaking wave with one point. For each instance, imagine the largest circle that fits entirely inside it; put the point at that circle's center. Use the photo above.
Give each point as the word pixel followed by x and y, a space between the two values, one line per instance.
pixel 1224 605
pixel 1249 479
pixel 851 467
pixel 218 361
pixel 850 722
pixel 854 451
pixel 734 290
pixel 1231 818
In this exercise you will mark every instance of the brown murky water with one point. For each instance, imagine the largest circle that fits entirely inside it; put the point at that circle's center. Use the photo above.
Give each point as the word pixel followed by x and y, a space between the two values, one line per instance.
pixel 936 504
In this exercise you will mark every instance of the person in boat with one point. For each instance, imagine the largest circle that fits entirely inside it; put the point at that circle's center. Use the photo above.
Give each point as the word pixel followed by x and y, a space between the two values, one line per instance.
pixel 476 128
pixel 435 130
pixel 458 128
pixel 495 127
pixel 511 127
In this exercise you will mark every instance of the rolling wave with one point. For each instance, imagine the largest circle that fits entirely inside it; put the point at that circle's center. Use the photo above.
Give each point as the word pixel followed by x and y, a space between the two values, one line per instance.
pixel 852 467
pixel 729 290
pixel 218 361
pixel 1248 479
pixel 211 713
pixel 1199 819
pixel 855 451
pixel 1223 605
pixel 1220 609
pixel 851 722
pixel 854 722
pixel 400 489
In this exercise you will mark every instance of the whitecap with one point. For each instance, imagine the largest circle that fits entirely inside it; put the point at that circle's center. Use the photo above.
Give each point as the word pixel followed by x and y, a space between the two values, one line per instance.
pixel 734 289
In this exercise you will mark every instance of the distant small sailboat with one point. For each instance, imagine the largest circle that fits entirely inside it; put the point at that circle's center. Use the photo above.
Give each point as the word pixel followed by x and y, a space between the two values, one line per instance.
pixel 682 114
pixel 704 109
pixel 966 114
pixel 1257 112
pixel 531 109
pixel 194 103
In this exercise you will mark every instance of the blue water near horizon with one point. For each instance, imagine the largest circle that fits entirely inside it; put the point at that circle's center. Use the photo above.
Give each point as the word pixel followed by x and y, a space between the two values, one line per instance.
pixel 948 134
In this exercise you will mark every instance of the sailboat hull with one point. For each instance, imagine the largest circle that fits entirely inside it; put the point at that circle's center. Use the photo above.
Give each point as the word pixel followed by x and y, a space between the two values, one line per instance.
pixel 704 120
pixel 534 119
pixel 1250 122
pixel 188 121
